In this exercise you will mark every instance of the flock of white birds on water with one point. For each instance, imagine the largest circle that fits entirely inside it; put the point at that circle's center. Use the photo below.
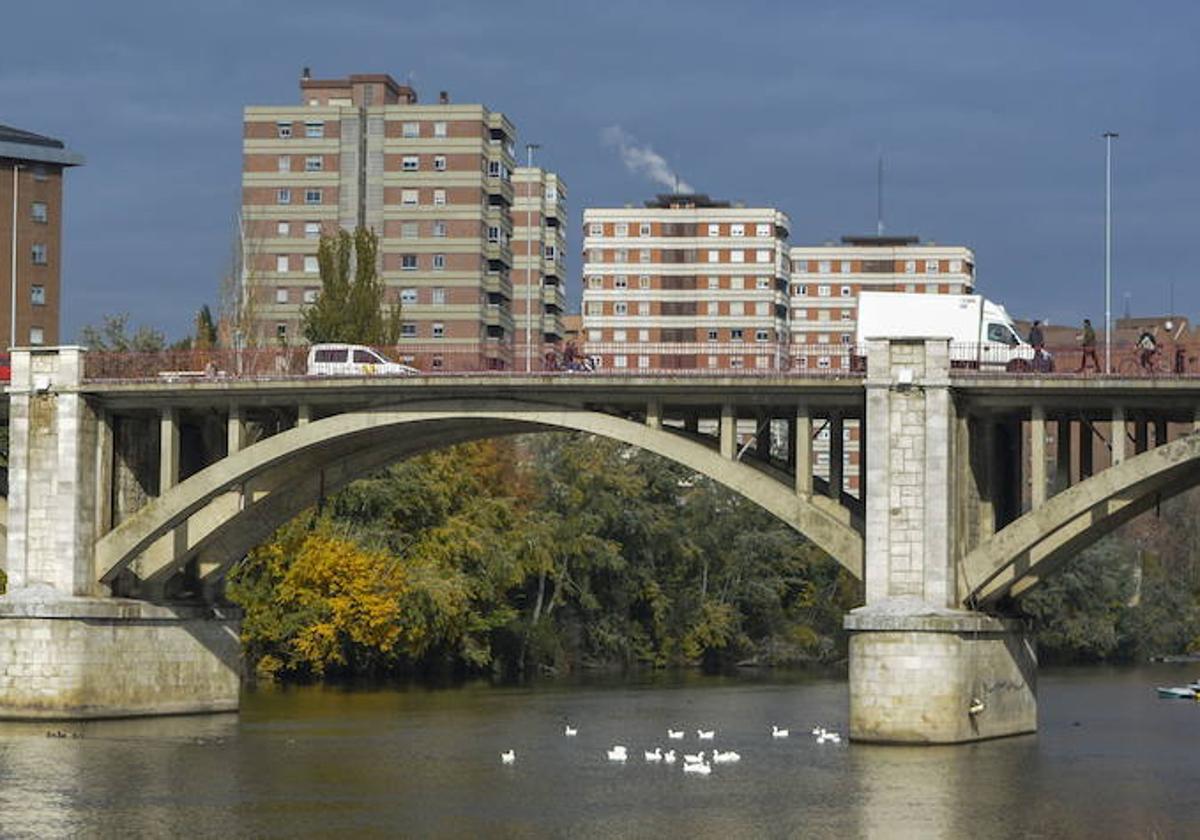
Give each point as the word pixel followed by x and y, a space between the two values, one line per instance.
pixel 699 763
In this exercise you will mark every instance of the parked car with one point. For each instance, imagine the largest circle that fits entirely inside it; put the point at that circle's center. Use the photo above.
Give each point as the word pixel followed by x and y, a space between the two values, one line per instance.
pixel 353 360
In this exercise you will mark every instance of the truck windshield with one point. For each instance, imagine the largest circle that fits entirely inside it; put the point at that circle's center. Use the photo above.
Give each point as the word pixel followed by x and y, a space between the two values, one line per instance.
pixel 1002 333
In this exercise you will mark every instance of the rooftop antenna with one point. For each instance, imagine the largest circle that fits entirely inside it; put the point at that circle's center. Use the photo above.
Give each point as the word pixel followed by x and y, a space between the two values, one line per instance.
pixel 676 176
pixel 1127 306
pixel 879 197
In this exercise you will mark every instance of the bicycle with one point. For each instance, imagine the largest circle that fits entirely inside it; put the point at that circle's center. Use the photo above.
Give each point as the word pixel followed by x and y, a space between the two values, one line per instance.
pixel 1132 364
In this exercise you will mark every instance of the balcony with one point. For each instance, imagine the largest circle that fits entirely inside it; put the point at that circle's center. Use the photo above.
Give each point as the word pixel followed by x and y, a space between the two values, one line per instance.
pixel 499 190
pixel 497 285
pixel 498 253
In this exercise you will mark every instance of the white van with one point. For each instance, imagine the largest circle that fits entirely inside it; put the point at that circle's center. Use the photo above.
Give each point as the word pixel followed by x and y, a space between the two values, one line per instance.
pixel 352 360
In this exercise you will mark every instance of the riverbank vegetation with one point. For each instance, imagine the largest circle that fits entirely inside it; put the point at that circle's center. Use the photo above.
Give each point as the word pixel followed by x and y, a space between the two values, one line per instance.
pixel 542 554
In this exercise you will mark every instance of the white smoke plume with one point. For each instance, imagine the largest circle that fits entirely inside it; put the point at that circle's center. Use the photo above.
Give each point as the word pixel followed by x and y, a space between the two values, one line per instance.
pixel 643 160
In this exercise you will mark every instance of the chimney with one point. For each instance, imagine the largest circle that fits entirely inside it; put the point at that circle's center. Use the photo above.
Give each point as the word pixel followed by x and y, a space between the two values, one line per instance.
pixel 306 74
pixel 444 98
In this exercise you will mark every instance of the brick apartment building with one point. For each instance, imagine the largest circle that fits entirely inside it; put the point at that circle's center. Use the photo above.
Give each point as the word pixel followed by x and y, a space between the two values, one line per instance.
pixel 434 181
pixel 686 282
pixel 31 184
pixel 539 242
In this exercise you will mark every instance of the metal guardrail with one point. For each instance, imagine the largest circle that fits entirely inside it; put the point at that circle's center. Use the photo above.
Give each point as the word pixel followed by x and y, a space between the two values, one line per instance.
pixel 1172 361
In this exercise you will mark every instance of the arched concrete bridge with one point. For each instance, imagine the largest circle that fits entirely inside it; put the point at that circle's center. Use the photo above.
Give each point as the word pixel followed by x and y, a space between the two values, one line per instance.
pixel 130 499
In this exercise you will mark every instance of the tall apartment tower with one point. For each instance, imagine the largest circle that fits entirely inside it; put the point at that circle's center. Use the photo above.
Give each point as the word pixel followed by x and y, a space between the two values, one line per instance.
pixel 31 207
pixel 434 181
pixel 827 279
pixel 539 244
pixel 686 282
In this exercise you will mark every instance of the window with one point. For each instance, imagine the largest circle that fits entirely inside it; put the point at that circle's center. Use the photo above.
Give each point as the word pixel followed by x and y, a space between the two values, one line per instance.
pixel 595 335
pixel 283 196
pixel 847 315
pixel 595 229
pixel 762 230
pixel 439 329
pixel 714 282
pixel 408 262
pixel 846 340
pixel 439 229
pixel 800 314
pixel 845 266
pixel 551 193
pixel 802 267
pixel 643 335
pixel 910 287
pixel 910 266
pixel 621 281
pixel 493 233
pixel 737 282
pixel 312 230
pixel 439 296
pixel 822 291
pixel 712 335
pixel 822 314
pixel 595 282
pixel 620 255
pixel 931 266
pixel 737 230
pixel 762 308
pixel 281 295
pixel 283 129
pixel 281 332
pixel 409 198
pixel 762 335
pixel 643 307
pixel 643 361
pixel 439 163
pixel 620 308
pixel 620 361
pixel 439 129
pixel 620 229
pixel 713 307
pixel 737 308
pixel 283 229
pixel 736 334
pixel 595 307
pixel 824 266
pixel 310 265
pixel 714 256
pixel 762 283
pixel 823 363
pixel 38 211
pixel 714 230
pixel 644 255
pixel 310 295
pixel 956 266
pixel 284 163
pixel 281 264
pixel 737 256
pixel 761 361
pixel 620 336
pixel 493 169
pixel 314 163
pixel 312 196
pixel 847 291
pixel 644 281
pixel 410 129
pixel 762 256
pixel 408 295
pixel 314 128
pixel 408 330
pixel 644 229
pixel 439 198
pixel 37 295
pixel 439 262
pixel 410 163
pixel 36 336
pixel 802 290
pixel 551 253
pixel 712 361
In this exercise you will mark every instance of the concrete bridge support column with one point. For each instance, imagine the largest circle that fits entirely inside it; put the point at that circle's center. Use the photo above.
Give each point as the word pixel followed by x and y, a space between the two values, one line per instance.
pixel 67 648
pixel 837 455
pixel 802 453
pixel 1037 457
pixel 922 670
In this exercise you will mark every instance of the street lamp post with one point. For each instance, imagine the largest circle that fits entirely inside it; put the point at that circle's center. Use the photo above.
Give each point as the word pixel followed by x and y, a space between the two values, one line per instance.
pixel 529 149
pixel 12 318
pixel 1109 136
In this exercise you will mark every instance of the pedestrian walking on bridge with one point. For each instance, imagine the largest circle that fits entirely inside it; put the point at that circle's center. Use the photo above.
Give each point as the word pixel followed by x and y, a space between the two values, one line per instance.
pixel 1088 339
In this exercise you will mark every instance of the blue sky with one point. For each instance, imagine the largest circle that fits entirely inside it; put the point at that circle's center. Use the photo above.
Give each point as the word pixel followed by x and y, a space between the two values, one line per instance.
pixel 988 115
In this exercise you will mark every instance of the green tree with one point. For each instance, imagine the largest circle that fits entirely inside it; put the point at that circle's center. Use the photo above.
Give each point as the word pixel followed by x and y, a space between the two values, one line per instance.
pixel 351 305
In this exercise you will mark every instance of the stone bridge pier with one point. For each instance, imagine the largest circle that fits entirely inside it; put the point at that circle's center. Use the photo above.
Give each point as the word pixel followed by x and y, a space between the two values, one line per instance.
pixel 923 670
pixel 68 649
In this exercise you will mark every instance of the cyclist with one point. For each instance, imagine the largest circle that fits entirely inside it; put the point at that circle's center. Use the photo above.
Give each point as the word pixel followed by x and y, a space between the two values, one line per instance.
pixel 1147 349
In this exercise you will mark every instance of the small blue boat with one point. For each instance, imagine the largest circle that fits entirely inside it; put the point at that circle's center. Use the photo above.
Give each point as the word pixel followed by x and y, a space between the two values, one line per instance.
pixel 1176 693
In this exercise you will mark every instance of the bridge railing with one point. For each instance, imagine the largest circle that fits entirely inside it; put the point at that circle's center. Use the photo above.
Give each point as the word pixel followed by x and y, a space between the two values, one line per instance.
pixel 1174 360
pixel 730 359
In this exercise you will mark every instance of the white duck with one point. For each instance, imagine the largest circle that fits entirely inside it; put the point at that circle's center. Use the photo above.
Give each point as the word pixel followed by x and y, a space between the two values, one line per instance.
pixel 617 753
pixel 776 732
pixel 655 755
pixel 570 731
pixel 701 768
pixel 727 757
pixel 669 757
pixel 705 734
pixel 508 757
pixel 693 758
pixel 675 734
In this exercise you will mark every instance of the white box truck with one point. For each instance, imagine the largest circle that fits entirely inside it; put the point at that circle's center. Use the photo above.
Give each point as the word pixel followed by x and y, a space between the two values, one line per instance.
pixel 981 333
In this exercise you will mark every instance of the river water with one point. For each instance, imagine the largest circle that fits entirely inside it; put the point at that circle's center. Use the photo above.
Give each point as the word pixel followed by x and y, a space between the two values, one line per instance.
pixel 1110 760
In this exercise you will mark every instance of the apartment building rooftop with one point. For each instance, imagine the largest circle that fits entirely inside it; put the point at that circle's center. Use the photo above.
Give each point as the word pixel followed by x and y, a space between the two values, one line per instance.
pixel 18 144
pixel 671 201
pixel 880 241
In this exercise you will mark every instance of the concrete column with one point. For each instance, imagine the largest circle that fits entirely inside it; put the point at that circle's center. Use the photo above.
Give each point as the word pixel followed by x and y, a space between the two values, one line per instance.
pixel 1117 436
pixel 654 414
pixel 236 431
pixel 168 450
pixel 691 423
pixel 987 481
pixel 1141 441
pixel 303 414
pixel 837 455
pixel 1037 456
pixel 104 474
pixel 1087 443
pixel 762 437
pixel 801 444
pixel 1160 431
pixel 1196 420
pixel 728 431
pixel 1062 455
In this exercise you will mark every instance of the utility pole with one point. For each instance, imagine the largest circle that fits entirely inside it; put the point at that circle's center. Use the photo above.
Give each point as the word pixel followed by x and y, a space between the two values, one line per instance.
pixel 12 318
pixel 1109 136
pixel 529 149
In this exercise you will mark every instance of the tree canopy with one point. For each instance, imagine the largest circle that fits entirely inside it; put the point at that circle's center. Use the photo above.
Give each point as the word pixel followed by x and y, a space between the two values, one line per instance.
pixel 351 304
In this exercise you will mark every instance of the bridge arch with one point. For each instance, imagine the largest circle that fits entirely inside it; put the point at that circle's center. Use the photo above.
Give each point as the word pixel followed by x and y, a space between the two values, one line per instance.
pixel 236 502
pixel 1022 553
